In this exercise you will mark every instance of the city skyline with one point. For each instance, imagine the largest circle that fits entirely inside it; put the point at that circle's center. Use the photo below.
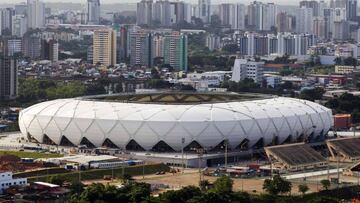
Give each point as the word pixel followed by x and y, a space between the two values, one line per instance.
pixel 284 2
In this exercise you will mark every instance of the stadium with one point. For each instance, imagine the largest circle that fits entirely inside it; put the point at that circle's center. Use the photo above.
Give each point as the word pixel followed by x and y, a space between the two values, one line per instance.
pixel 175 121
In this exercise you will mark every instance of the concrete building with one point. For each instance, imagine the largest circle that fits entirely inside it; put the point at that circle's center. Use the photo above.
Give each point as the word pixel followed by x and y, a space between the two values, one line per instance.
pixel 90 54
pixel 204 7
pixel 283 22
pixel 162 13
pixel 261 16
pixel 19 25
pixel 244 68
pixel 8 71
pixel 20 9
pixel 213 42
pixel 341 30
pixel 257 44
pixel 344 69
pixel 144 12
pixel 50 50
pixel 233 15
pixel 351 9
pixel 14 46
pixel 31 46
pixel 304 20
pixel 93 12
pixel 35 14
pixel 7 180
pixel 314 5
pixel 141 53
pixel 6 20
pixel 319 27
pixel 104 47
pixel 175 51
pixel 338 3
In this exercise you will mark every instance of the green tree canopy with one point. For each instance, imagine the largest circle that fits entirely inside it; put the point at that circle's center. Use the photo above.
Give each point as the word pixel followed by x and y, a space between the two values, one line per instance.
pixel 277 185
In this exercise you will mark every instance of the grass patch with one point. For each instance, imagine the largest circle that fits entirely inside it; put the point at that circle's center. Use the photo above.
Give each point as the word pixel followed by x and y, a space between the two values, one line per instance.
pixel 96 174
pixel 34 155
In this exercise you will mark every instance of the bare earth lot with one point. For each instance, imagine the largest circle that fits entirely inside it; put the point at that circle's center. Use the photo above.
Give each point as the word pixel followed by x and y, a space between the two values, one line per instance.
pixel 191 177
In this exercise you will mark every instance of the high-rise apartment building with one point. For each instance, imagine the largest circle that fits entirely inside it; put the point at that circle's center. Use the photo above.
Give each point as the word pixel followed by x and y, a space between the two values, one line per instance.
pixel 176 51
pixel 13 46
pixel 351 9
pixel 8 72
pixel 104 47
pixel 144 12
pixel 35 14
pixel 6 20
pixel 256 44
pixel 141 50
pixel 20 9
pixel 31 46
pixel 338 3
pixel 93 12
pixel 162 13
pixel 319 27
pixel 304 20
pixel 204 7
pixel 283 22
pixel 261 16
pixel 19 25
pixel 314 5
pixel 232 15
pixel 50 50
pixel 341 30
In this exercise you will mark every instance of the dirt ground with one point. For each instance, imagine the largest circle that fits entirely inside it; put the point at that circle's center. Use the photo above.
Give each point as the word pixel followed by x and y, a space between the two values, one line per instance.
pixel 191 177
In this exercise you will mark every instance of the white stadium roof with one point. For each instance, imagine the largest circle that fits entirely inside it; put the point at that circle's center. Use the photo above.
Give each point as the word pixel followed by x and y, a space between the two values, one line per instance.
pixel 147 124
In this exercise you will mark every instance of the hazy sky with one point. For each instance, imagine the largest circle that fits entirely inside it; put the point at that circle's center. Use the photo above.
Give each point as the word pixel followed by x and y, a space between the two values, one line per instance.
pixel 290 2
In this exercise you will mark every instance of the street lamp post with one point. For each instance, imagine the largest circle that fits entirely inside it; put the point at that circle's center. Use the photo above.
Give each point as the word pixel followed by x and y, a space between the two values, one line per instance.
pixel 182 154
pixel 226 151
pixel 200 152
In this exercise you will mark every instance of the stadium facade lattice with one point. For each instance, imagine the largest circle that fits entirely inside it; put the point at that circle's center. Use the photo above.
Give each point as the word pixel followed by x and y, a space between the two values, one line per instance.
pixel 168 121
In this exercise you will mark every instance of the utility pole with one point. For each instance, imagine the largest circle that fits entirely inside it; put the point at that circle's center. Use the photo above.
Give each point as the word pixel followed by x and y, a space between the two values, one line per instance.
pixel 200 152
pixel 226 150
pixel 143 171
pixel 112 173
pixel 338 170
pixel 182 154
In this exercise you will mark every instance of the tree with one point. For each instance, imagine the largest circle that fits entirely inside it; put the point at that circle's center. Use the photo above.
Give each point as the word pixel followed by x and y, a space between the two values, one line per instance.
pixel 197 22
pixel 155 73
pixel 277 185
pixel 325 184
pixel 338 61
pixel 350 61
pixel 139 192
pixel 312 94
pixel 209 197
pixel 223 185
pixel 180 196
pixel 76 188
pixel 241 197
pixel 303 188
pixel 231 48
pixel 204 184
pixel 324 200
pixel 126 178
pixel 215 21
pixel 57 180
